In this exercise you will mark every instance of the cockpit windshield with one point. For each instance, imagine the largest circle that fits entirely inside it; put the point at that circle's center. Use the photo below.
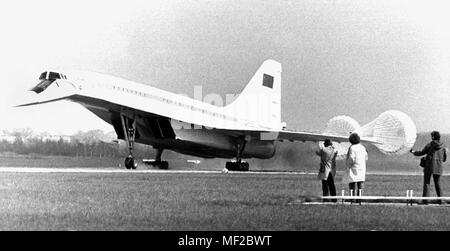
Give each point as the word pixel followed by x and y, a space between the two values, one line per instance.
pixel 42 86
pixel 49 75
pixel 47 78
pixel 53 75
pixel 43 76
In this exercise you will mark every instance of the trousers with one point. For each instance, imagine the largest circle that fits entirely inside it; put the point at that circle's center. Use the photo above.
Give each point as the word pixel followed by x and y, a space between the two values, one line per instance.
pixel 427 182
pixel 356 186
pixel 328 187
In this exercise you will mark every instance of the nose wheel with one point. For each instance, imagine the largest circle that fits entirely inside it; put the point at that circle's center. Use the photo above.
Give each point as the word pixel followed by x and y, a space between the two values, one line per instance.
pixel 131 162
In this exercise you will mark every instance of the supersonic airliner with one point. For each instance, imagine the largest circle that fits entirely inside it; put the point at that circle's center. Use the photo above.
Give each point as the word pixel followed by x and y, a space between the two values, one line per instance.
pixel 245 128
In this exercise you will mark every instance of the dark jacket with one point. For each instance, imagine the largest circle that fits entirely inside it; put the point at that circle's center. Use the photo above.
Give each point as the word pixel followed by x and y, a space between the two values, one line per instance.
pixel 437 154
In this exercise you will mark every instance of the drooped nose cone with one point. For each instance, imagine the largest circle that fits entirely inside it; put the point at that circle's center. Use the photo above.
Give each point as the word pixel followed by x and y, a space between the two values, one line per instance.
pixel 46 91
pixel 26 98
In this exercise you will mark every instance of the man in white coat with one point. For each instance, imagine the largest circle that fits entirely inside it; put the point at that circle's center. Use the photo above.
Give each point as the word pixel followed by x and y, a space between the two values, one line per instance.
pixel 356 163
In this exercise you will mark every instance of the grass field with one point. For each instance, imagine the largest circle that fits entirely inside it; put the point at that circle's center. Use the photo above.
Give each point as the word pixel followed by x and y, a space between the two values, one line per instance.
pixel 168 201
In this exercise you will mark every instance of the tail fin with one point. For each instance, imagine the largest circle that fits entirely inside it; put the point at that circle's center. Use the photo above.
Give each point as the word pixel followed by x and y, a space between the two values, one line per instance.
pixel 259 104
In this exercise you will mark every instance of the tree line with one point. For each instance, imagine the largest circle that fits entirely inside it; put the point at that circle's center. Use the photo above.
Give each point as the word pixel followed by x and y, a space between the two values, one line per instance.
pixel 93 143
pixel 60 148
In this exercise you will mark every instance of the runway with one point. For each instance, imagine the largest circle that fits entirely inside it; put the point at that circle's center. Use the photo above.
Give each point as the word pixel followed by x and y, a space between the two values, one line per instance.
pixel 139 171
pixel 178 171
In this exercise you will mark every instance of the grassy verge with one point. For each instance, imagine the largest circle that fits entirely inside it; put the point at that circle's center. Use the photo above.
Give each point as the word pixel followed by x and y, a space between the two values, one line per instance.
pixel 201 202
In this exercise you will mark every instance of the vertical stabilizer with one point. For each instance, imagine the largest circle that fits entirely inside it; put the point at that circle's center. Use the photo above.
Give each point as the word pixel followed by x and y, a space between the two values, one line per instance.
pixel 259 104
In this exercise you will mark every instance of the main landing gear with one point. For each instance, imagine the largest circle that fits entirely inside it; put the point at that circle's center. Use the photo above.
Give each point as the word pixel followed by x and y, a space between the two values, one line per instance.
pixel 238 165
pixel 158 162
pixel 129 129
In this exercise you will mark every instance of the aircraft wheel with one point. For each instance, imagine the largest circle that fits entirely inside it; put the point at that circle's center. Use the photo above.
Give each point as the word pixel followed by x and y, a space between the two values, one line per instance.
pixel 130 162
pixel 163 165
pixel 158 164
pixel 230 166
pixel 237 166
pixel 244 166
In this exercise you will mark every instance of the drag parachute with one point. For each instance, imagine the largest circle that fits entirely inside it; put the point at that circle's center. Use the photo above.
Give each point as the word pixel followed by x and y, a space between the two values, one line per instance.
pixel 394 132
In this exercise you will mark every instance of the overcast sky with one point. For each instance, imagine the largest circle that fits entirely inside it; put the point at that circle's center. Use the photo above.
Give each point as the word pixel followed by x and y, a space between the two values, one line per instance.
pixel 356 58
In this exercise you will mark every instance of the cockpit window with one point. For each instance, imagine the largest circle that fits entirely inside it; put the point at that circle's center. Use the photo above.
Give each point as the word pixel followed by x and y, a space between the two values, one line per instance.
pixel 46 78
pixel 43 76
pixel 50 76
pixel 53 75
pixel 42 86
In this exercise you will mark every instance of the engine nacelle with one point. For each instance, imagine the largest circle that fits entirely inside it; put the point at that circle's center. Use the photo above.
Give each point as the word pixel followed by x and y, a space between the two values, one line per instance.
pixel 259 149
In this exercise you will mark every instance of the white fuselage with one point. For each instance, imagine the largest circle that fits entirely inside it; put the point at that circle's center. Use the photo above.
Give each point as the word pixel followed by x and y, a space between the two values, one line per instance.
pixel 163 119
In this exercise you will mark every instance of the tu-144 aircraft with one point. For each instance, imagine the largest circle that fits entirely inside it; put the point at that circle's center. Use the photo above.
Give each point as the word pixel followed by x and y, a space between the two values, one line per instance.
pixel 245 128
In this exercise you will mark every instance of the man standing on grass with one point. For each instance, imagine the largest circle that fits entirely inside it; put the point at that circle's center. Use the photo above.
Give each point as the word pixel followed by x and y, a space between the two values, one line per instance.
pixel 327 169
pixel 436 154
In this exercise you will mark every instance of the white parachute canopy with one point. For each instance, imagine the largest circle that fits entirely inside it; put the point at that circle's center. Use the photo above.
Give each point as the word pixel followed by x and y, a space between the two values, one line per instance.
pixel 394 131
pixel 342 126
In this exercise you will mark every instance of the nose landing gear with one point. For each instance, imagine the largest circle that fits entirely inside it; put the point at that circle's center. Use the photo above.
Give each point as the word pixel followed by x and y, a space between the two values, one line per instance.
pixel 129 132
pixel 130 162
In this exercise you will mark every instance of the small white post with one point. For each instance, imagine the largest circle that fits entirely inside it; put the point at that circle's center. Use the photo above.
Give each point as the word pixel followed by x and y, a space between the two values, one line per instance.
pixel 409 195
